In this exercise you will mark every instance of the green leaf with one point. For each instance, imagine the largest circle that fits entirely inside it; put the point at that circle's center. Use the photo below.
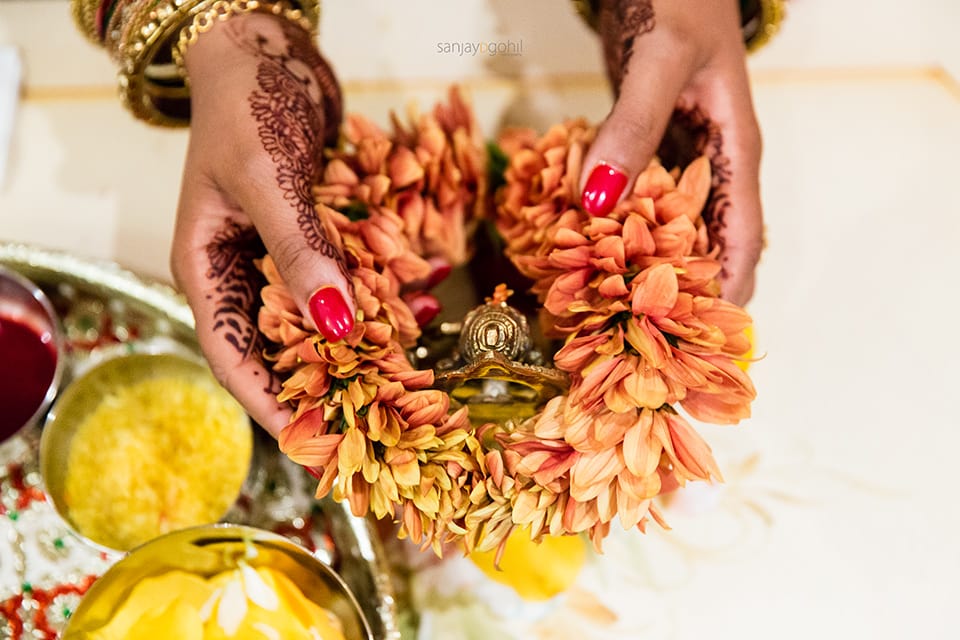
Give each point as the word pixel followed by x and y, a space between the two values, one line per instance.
pixel 497 162
pixel 356 211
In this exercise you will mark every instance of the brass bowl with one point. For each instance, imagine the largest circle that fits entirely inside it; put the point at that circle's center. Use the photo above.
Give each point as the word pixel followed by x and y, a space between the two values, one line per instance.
pixel 23 301
pixel 84 395
pixel 206 551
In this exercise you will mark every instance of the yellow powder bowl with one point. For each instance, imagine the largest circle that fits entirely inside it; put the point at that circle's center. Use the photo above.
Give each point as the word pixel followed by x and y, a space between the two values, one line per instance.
pixel 142 445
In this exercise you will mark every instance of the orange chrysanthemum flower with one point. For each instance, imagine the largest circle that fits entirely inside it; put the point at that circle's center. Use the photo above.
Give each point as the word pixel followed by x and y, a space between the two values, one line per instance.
pixel 364 418
pixel 634 293
pixel 633 296
pixel 569 471
pixel 366 422
pixel 426 178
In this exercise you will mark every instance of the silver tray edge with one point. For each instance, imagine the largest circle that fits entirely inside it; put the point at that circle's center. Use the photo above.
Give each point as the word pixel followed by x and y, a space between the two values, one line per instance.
pixel 362 546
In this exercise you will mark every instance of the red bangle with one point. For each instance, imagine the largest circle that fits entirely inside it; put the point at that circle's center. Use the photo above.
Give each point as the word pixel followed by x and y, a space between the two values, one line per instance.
pixel 104 13
pixel 113 24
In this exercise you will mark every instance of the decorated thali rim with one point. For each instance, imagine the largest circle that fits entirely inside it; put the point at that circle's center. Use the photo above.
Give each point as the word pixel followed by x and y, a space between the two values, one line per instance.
pixel 363 554
pixel 104 276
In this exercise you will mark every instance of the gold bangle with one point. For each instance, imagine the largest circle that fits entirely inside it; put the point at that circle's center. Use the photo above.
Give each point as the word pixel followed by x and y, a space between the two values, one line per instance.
pixel 772 13
pixel 145 50
pixel 587 13
pixel 149 29
pixel 144 23
pixel 123 15
pixel 84 14
pixel 222 10
pixel 756 33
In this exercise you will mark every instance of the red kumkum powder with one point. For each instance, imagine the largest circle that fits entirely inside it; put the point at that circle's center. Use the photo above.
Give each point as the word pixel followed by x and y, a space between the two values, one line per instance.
pixel 28 359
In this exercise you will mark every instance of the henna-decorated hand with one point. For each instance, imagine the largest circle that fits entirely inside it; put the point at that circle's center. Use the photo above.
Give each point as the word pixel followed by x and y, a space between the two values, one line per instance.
pixel 686 55
pixel 263 102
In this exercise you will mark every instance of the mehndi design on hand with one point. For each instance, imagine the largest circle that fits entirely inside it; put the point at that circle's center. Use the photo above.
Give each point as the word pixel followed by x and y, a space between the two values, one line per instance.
pixel 238 282
pixel 297 108
pixel 621 22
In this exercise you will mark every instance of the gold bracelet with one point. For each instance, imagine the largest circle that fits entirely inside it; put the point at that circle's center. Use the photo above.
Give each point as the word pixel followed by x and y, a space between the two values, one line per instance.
pixel 84 14
pixel 587 13
pixel 123 15
pixel 756 32
pixel 222 10
pixel 772 13
pixel 149 32
pixel 150 85
pixel 148 21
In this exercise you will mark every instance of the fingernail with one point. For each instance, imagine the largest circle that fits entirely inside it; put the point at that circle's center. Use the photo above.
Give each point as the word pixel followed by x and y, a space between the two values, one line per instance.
pixel 438 275
pixel 603 189
pixel 316 474
pixel 425 308
pixel 330 313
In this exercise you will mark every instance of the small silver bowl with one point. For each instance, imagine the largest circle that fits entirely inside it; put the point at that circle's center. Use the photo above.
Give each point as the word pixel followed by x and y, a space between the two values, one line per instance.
pixel 24 306
pixel 86 393
pixel 206 551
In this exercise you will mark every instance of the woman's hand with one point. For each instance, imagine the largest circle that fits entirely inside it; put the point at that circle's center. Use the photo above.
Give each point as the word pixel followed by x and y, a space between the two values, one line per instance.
pixel 263 102
pixel 686 55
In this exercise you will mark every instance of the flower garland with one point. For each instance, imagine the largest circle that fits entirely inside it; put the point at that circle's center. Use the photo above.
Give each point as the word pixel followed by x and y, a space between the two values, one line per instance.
pixel 633 296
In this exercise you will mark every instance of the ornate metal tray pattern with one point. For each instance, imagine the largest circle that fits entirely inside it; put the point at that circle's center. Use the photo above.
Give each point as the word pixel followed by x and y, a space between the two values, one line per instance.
pixel 44 569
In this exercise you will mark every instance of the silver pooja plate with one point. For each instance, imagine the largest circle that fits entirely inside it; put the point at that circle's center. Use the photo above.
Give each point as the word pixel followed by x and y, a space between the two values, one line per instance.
pixel 44 568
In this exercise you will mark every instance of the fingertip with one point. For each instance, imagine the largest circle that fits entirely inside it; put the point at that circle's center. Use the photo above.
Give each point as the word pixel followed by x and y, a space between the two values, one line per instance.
pixel 274 424
pixel 629 136
pixel 603 189
pixel 331 313
pixel 623 147
pixel 740 258
pixel 440 269
pixel 425 308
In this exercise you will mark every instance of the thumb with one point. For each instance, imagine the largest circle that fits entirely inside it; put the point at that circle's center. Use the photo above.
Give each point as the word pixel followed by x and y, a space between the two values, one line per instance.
pixel 306 250
pixel 631 133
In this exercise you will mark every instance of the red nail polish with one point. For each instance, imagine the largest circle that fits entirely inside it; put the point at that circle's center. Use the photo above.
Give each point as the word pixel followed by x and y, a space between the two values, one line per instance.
pixel 438 275
pixel 316 474
pixel 603 189
pixel 330 313
pixel 425 308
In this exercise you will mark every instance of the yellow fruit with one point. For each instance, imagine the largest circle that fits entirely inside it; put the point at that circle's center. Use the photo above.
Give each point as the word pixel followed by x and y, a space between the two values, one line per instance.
pixel 744 362
pixel 535 571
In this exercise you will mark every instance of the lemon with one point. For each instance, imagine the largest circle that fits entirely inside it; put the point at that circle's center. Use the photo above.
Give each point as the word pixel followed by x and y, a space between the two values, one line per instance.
pixel 744 361
pixel 535 571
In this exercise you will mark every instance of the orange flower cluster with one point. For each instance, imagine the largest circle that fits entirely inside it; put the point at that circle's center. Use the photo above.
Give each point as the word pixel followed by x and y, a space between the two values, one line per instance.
pixel 365 420
pixel 424 180
pixel 634 296
pixel 635 293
